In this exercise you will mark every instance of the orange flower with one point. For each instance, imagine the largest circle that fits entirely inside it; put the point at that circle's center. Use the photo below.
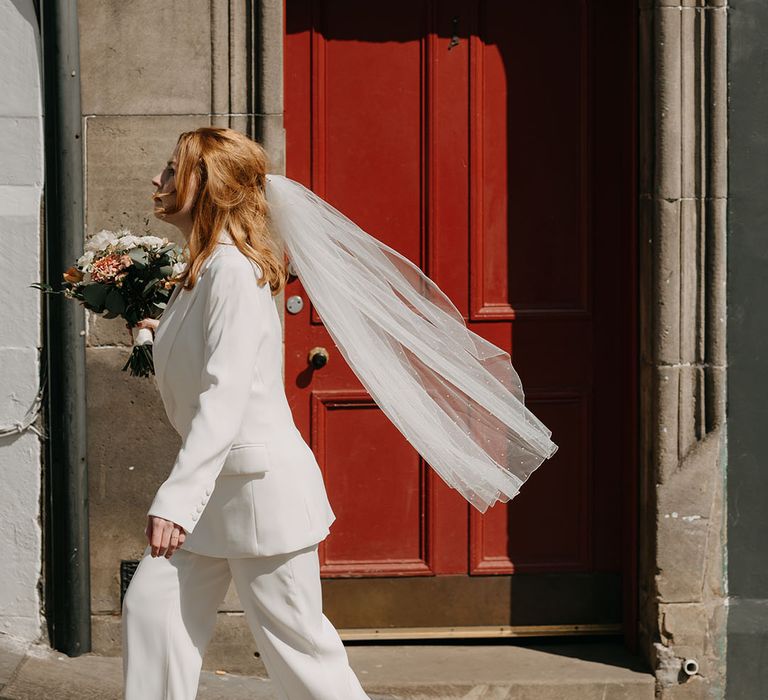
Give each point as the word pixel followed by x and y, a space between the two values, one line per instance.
pixel 105 269
pixel 73 275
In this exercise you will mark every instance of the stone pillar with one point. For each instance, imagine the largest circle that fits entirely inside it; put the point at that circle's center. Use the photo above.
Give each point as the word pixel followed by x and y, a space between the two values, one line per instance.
pixel 683 190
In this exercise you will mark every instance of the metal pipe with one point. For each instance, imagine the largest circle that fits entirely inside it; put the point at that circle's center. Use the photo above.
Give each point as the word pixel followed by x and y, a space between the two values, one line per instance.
pixel 67 587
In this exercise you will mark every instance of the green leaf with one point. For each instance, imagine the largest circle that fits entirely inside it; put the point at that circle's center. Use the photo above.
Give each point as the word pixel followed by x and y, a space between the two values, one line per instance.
pixel 166 270
pixel 115 302
pixel 95 294
pixel 140 257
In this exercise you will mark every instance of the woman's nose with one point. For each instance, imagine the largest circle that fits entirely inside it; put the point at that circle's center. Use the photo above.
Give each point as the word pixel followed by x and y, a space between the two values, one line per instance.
pixel 156 181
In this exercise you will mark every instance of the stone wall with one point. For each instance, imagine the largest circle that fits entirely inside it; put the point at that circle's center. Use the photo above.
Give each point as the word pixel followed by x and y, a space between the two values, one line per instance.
pixel 150 71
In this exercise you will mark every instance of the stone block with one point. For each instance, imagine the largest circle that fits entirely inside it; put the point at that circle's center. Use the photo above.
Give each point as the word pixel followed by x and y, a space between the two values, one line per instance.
pixel 691 402
pixel 144 57
pixel 666 281
pixel 692 114
pixel 692 217
pixel 666 388
pixel 270 78
pixel 717 31
pixel 716 273
pixel 231 649
pixel 107 331
pixel 270 133
pixel 667 29
pixel 123 154
pixel 131 448
pixel 690 525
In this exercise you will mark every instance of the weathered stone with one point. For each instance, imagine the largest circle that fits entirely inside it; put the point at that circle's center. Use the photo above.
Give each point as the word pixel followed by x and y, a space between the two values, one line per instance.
pixel 665 416
pixel 666 281
pixel 144 57
pixel 668 124
pixel 123 155
pixel 131 448
pixel 717 38
pixel 715 271
pixel 687 518
pixel 692 116
pixel 691 287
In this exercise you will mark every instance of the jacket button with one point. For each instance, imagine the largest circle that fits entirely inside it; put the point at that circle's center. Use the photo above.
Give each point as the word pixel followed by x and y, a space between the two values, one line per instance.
pixel 207 492
pixel 194 516
pixel 200 509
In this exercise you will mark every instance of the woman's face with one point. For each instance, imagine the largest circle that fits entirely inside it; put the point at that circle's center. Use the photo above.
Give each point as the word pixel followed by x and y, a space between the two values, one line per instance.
pixel 165 197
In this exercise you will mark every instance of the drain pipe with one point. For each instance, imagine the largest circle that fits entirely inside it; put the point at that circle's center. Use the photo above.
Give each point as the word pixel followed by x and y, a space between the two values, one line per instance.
pixel 67 587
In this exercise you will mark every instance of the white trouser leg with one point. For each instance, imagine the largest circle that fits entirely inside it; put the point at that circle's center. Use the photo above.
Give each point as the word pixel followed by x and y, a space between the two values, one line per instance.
pixel 169 612
pixel 303 654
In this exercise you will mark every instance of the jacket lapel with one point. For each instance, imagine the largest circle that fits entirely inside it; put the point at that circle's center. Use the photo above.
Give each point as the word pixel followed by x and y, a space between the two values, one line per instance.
pixel 179 304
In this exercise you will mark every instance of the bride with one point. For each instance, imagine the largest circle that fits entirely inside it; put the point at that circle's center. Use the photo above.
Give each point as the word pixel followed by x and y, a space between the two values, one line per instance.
pixel 245 499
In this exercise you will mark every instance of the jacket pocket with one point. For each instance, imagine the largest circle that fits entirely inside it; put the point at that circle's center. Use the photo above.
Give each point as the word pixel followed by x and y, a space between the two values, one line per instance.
pixel 246 458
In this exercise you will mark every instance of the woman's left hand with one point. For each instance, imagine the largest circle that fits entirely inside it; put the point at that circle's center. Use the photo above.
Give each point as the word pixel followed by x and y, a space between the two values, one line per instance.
pixel 164 536
pixel 150 323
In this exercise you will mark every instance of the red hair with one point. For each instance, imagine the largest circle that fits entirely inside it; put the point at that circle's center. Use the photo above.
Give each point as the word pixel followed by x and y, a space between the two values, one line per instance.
pixel 225 172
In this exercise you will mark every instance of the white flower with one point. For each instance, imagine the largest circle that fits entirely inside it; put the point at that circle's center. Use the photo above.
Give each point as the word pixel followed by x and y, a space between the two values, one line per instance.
pixel 85 259
pixel 99 241
pixel 127 241
pixel 178 268
pixel 151 241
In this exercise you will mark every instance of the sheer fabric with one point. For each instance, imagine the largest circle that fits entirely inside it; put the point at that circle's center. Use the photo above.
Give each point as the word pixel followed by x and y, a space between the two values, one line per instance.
pixel 454 396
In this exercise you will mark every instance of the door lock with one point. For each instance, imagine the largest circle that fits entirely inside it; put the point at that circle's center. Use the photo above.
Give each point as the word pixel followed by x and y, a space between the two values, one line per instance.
pixel 318 357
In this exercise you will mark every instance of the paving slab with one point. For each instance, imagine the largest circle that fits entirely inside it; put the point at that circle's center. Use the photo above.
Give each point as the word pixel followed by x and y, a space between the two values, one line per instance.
pixel 479 671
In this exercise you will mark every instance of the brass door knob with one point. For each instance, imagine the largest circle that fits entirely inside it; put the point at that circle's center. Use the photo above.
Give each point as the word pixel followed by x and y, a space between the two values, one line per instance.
pixel 318 357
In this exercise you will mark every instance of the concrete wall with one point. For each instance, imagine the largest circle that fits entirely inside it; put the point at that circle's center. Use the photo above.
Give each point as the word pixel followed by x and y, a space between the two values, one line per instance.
pixel 21 184
pixel 747 333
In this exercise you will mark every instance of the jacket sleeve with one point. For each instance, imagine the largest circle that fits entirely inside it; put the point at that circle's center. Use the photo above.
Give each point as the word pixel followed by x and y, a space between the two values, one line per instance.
pixel 234 315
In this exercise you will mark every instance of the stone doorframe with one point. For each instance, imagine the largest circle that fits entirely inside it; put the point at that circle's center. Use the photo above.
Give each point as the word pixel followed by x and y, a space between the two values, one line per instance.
pixel 682 52
pixel 682 93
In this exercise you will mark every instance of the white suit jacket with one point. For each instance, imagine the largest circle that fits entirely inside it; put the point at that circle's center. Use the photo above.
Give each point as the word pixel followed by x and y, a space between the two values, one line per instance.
pixel 244 483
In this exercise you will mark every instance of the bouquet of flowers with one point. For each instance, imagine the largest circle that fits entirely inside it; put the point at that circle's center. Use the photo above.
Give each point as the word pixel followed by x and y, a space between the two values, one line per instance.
pixel 124 275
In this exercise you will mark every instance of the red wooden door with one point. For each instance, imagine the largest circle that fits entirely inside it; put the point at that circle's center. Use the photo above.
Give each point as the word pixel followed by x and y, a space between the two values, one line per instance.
pixel 491 143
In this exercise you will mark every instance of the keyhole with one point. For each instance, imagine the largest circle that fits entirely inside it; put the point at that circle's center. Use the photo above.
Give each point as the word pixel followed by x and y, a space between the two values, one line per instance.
pixel 455 37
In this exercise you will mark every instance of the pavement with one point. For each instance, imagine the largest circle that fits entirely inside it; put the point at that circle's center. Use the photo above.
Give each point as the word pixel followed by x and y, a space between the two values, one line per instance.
pixel 554 669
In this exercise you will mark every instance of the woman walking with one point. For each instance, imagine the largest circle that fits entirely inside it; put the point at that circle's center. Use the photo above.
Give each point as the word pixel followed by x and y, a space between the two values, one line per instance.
pixel 245 498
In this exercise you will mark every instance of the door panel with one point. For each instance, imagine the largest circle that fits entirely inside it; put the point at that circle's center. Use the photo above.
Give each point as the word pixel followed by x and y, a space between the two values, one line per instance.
pixel 488 143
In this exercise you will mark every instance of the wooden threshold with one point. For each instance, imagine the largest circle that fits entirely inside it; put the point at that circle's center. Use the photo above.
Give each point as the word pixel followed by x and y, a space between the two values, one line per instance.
pixel 476 631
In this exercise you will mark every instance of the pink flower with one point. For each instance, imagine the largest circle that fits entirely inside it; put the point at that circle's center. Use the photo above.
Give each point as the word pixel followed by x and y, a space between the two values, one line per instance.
pixel 105 269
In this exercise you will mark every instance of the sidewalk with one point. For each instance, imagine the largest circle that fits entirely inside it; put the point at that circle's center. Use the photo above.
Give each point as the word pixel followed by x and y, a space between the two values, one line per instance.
pixel 479 671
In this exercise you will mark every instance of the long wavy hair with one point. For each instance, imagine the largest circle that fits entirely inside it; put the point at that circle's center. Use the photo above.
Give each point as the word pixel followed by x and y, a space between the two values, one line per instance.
pixel 225 171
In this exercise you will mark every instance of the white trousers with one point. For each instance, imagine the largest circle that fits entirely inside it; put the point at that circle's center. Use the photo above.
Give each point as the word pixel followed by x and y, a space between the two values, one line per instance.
pixel 169 613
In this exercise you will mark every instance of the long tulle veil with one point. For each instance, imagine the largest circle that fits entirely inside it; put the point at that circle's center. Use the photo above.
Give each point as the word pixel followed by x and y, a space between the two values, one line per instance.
pixel 454 396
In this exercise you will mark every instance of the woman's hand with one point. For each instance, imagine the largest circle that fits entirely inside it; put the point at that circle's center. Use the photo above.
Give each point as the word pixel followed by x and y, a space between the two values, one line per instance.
pixel 164 536
pixel 150 323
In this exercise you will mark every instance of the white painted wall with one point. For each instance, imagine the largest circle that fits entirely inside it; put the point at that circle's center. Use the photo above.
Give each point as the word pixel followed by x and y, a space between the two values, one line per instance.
pixel 21 184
